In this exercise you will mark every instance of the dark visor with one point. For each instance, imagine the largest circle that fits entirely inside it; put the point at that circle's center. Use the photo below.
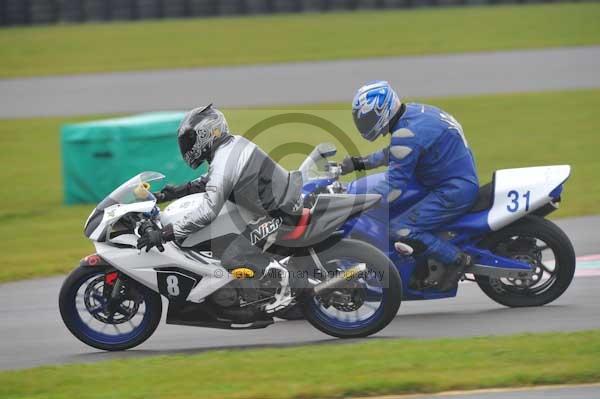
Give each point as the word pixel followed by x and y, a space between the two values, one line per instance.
pixel 187 141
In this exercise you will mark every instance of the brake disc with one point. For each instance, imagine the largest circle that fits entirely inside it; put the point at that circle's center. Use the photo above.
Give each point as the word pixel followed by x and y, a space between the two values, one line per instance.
pixel 97 304
pixel 347 300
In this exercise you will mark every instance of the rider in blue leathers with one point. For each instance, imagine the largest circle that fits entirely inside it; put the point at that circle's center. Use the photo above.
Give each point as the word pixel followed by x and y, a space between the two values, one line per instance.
pixel 427 144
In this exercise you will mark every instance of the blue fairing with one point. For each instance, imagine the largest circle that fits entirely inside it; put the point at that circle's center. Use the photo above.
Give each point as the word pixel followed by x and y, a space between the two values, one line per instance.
pixel 369 229
pixel 555 194
pixel 372 226
pixel 314 185
pixel 467 226
pixel 413 193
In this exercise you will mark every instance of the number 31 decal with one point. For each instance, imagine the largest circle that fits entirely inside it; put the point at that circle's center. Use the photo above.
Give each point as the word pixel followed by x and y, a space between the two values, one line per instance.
pixel 514 199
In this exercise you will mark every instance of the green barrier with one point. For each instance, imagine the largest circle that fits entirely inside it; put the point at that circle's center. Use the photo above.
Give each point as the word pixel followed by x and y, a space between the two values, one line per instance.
pixel 98 156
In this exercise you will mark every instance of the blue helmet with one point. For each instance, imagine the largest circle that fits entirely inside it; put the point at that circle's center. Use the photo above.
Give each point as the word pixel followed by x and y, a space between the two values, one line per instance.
pixel 373 107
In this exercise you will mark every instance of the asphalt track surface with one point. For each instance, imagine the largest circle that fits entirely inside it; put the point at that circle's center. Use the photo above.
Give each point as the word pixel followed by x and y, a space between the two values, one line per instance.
pixel 301 83
pixel 32 333
pixel 588 391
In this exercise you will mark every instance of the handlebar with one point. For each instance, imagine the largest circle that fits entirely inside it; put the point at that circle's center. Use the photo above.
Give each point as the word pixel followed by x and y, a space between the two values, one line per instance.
pixel 160 196
pixel 145 226
pixel 334 168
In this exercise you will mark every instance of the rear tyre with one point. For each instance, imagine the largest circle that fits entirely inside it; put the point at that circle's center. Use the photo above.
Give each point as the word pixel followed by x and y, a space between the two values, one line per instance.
pixel 84 310
pixel 549 251
pixel 374 300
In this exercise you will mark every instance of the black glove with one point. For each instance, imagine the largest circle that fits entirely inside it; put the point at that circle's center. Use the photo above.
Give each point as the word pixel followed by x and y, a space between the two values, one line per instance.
pixel 153 237
pixel 171 192
pixel 350 164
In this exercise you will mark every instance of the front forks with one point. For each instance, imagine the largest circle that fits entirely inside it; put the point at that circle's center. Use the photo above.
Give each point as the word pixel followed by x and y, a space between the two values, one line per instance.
pixel 113 291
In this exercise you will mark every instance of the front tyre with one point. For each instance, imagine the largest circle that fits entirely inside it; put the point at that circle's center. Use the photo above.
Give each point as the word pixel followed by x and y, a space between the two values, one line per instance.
pixel 546 248
pixel 366 307
pixel 106 323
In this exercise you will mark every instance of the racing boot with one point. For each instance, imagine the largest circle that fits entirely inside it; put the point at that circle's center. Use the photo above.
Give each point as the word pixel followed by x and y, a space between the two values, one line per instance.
pixel 456 271
pixel 283 295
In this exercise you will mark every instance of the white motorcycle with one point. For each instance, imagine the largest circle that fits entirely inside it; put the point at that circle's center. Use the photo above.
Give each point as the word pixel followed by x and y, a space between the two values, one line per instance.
pixel 112 301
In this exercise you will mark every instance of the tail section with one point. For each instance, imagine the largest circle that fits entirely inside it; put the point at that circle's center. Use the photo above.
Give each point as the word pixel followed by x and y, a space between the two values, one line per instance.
pixel 518 192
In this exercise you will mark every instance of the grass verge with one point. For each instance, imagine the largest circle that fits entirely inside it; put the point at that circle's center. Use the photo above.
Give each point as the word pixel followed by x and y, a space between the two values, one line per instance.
pixel 39 236
pixel 317 371
pixel 72 49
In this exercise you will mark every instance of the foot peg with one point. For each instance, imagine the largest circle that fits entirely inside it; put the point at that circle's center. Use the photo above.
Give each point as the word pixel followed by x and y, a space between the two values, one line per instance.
pixel 242 272
pixel 456 271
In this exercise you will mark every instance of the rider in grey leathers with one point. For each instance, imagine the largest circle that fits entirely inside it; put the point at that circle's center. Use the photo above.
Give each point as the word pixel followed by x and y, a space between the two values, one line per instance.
pixel 239 171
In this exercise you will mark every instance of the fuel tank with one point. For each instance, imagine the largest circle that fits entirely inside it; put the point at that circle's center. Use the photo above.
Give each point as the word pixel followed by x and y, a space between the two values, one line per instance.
pixel 230 220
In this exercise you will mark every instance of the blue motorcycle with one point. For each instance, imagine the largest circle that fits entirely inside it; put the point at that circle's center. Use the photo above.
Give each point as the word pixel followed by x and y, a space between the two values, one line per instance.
pixel 520 257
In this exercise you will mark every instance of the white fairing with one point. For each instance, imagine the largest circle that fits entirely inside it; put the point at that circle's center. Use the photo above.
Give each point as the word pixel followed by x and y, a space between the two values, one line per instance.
pixel 521 191
pixel 230 220
pixel 179 208
pixel 113 213
pixel 140 265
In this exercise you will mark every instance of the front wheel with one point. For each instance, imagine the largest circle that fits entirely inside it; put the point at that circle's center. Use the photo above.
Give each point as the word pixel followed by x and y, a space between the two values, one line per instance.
pixel 546 248
pixel 367 306
pixel 105 321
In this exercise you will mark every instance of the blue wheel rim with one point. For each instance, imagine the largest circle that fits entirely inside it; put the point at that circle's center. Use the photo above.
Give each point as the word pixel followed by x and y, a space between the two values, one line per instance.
pixel 345 322
pixel 100 336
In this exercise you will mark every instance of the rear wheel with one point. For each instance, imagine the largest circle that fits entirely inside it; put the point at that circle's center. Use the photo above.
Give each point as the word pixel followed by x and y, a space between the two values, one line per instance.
pixel 366 307
pixel 546 248
pixel 109 324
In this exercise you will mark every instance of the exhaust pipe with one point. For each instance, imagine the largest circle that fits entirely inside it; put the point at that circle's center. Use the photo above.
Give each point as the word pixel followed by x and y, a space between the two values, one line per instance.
pixel 340 280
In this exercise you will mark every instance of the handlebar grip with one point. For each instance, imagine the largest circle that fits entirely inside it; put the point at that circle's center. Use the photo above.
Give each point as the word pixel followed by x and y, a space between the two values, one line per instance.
pixel 160 196
pixel 145 227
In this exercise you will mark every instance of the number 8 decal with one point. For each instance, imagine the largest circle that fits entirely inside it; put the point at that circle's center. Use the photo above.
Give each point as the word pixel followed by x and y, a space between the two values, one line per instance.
pixel 172 285
pixel 514 199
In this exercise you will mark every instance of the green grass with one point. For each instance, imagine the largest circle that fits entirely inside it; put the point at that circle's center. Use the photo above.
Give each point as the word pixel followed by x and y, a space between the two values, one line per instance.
pixel 316 371
pixel 40 237
pixel 70 49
